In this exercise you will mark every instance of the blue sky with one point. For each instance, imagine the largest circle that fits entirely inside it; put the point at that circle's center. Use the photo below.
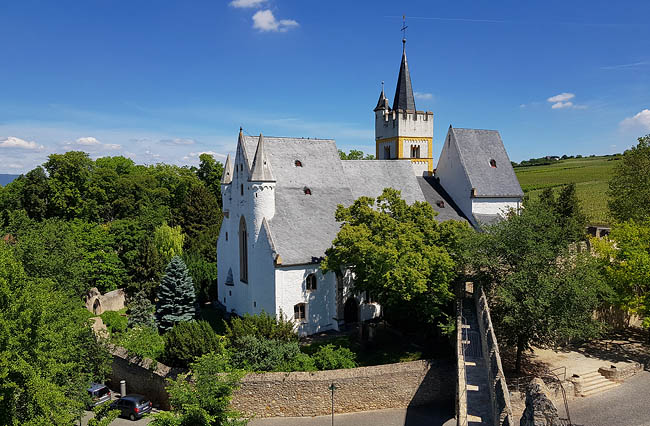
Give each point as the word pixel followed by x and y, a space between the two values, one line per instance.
pixel 162 81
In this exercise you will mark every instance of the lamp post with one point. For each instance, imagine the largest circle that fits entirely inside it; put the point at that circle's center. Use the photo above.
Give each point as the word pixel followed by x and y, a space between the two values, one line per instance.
pixel 332 387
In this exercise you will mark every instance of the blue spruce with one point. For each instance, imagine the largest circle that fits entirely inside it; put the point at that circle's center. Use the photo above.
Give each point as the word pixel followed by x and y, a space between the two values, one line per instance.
pixel 176 297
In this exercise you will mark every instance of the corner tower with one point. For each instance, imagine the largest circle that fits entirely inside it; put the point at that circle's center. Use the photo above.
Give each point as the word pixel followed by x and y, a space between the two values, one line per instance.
pixel 404 133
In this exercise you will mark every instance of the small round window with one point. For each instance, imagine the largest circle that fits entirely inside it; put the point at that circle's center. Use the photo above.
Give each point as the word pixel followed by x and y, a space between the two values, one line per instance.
pixel 307 191
pixel 298 163
pixel 493 163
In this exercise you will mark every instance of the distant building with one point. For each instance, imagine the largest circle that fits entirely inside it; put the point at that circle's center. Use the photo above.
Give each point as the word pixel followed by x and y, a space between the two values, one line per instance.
pixel 280 194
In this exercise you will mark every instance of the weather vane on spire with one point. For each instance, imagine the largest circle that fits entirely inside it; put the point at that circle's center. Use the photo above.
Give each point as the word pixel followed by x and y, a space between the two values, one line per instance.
pixel 404 27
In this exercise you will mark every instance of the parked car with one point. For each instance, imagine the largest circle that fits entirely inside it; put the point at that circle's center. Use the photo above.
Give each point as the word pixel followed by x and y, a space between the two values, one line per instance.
pixel 99 394
pixel 132 406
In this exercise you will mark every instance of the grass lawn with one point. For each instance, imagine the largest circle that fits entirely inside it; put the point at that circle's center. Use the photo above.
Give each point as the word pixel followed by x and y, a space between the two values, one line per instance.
pixel 591 176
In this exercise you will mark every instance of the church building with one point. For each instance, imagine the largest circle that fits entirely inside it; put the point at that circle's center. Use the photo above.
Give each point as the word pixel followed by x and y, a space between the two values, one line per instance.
pixel 280 194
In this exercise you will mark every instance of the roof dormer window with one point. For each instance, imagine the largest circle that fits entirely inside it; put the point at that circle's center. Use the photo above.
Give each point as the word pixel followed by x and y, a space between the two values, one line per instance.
pixel 493 163
pixel 298 163
pixel 307 191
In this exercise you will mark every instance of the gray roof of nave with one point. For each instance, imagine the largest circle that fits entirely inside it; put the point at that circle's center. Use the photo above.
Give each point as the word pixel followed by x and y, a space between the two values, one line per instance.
pixel 434 193
pixel 477 148
pixel 370 177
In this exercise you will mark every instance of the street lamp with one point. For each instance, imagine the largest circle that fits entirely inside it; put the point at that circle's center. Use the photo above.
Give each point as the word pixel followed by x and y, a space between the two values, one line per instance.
pixel 332 387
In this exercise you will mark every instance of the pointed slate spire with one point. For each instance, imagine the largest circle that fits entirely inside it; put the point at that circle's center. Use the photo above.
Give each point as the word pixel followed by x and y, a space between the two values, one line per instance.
pixel 261 170
pixel 404 92
pixel 228 170
pixel 382 103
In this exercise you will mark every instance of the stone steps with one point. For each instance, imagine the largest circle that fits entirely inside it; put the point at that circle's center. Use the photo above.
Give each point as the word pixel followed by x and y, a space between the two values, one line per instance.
pixel 593 383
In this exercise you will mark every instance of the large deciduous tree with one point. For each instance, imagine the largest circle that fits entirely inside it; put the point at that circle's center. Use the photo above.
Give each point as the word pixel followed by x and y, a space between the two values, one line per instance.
pixel 629 188
pixel 399 253
pixel 541 293
pixel 176 297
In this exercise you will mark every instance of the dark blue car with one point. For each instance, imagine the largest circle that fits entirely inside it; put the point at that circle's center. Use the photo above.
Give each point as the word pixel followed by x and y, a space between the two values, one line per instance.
pixel 132 406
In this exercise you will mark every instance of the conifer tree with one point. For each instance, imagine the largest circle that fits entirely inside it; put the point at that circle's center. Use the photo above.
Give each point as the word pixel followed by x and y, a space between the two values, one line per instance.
pixel 176 297
pixel 141 311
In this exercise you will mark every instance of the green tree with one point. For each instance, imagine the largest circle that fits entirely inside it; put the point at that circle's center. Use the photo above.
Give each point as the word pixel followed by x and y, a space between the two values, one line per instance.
pixel 262 325
pixel 35 194
pixel 69 174
pixel 141 311
pixel 625 256
pixel 168 241
pixel 202 397
pixel 189 340
pixel 540 293
pixel 176 297
pixel 629 188
pixel 210 172
pixel 355 154
pixel 48 352
pixel 567 210
pixel 104 416
pixel 399 253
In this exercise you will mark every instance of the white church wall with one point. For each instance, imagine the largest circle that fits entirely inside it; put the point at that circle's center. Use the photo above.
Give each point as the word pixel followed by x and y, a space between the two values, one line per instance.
pixel 494 205
pixel 453 178
pixel 415 125
pixel 408 143
pixel 420 168
pixel 384 127
pixel 320 303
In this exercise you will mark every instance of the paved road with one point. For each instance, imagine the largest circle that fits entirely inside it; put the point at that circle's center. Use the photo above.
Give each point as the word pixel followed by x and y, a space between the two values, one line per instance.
pixel 628 404
pixel 117 422
pixel 421 416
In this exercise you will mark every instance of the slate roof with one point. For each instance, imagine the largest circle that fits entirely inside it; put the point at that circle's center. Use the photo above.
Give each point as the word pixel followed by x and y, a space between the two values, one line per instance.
pixel 434 193
pixel 303 226
pixel 404 92
pixel 382 103
pixel 477 148
pixel 261 169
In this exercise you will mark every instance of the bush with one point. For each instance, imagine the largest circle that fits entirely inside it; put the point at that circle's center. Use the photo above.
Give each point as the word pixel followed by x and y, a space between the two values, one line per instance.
pixel 329 358
pixel 143 342
pixel 187 341
pixel 301 362
pixel 260 354
pixel 115 322
pixel 263 326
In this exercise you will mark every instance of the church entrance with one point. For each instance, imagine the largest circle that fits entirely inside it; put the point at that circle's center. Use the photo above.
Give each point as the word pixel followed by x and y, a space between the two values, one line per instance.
pixel 351 311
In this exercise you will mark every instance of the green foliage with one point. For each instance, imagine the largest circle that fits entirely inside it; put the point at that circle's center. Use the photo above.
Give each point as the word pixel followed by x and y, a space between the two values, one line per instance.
pixel 541 293
pixel 253 353
pixel 187 341
pixel 629 188
pixel 301 362
pixel 210 172
pixel 141 311
pixel 567 210
pixel 115 322
pixel 176 297
pixel 168 241
pixel 355 155
pixel 329 357
pixel 142 342
pixel 48 352
pixel 204 275
pixel 262 325
pixel 625 256
pixel 399 253
pixel 104 416
pixel 202 397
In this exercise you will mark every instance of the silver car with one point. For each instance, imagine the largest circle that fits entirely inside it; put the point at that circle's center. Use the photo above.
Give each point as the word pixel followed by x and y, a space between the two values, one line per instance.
pixel 99 394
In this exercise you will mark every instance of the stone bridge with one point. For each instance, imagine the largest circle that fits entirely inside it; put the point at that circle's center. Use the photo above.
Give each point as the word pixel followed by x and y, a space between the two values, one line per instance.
pixel 482 396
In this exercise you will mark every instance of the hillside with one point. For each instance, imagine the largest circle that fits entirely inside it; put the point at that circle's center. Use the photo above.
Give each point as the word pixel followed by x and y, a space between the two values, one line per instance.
pixel 6 179
pixel 590 174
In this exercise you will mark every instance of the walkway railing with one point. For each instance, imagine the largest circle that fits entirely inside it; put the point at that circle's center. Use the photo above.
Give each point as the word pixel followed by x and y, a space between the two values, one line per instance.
pixel 461 409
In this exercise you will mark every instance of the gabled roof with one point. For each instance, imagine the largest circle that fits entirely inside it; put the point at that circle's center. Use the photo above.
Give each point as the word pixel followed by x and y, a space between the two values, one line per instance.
pixel 438 198
pixel 370 177
pixel 477 148
pixel 404 92
pixel 261 169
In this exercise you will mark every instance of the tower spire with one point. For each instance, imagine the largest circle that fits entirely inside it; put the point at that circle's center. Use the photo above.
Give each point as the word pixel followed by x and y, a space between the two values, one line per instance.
pixel 404 27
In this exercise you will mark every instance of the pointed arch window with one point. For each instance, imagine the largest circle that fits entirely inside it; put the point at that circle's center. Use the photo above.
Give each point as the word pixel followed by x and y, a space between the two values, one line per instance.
pixel 243 251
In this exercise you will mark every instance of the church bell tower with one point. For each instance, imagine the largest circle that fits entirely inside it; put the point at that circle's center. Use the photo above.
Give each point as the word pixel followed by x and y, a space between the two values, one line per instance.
pixel 402 132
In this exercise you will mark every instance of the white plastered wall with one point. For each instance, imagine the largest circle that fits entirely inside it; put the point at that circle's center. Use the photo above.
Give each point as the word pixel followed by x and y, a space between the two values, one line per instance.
pixel 494 205
pixel 453 178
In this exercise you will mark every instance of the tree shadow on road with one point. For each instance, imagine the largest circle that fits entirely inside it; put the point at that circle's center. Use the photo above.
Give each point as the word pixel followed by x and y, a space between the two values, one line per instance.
pixel 433 402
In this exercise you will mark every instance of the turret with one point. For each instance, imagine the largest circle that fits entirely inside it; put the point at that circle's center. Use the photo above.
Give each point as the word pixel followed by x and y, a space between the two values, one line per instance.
pixel 262 184
pixel 226 183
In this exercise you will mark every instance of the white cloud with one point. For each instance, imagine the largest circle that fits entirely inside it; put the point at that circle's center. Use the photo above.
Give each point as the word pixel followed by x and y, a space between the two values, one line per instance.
pixel 561 105
pixel 264 20
pixel 113 146
pixel 178 141
pixel 246 4
pixel 88 141
pixel 561 97
pixel 422 95
pixel 639 120
pixel 14 142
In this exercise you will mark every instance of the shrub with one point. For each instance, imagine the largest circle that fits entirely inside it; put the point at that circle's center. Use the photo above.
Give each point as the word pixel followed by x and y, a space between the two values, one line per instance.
pixel 187 341
pixel 176 298
pixel 141 311
pixel 263 325
pixel 143 342
pixel 259 354
pixel 329 358
pixel 115 322
pixel 301 362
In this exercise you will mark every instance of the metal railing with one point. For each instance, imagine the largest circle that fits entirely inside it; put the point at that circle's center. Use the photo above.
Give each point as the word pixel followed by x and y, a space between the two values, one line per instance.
pixel 462 393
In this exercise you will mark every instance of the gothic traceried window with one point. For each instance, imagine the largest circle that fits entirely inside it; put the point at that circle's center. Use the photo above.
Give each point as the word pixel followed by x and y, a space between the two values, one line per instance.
pixel 243 251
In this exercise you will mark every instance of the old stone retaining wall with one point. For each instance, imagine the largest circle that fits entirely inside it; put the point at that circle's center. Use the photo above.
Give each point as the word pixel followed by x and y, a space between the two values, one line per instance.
pixel 499 395
pixel 306 393
pixel 540 410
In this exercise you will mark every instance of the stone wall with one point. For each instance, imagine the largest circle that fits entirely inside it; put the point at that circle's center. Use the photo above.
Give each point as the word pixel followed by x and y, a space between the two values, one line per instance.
pixel 540 410
pixel 621 372
pixel 499 394
pixel 306 393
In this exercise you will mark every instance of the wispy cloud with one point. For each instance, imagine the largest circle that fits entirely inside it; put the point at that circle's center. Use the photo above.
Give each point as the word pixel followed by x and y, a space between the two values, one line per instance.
pixel 88 141
pixel 246 4
pixel 640 120
pixel 178 141
pixel 564 101
pixel 626 66
pixel 265 21
pixel 423 95
pixel 91 144
pixel 17 143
